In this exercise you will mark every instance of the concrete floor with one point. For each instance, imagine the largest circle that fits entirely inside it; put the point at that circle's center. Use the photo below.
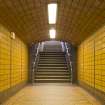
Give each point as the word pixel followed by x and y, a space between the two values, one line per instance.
pixel 52 94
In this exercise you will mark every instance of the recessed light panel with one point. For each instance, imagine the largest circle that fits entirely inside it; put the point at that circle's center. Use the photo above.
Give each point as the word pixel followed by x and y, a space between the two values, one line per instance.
pixel 52 33
pixel 52 13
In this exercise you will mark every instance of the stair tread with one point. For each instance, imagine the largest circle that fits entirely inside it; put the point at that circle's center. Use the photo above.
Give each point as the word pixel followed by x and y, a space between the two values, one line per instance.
pixel 51 64
pixel 52 54
pixel 52 67
pixel 61 52
pixel 52 61
pixel 52 57
pixel 60 60
pixel 48 55
pixel 53 75
pixel 59 56
pixel 51 79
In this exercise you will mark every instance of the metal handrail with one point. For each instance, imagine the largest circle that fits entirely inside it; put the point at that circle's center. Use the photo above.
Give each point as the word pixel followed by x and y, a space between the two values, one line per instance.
pixel 69 62
pixel 35 63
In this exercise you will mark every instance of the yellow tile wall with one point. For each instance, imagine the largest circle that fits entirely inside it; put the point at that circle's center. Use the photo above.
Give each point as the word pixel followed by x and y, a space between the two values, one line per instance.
pixel 24 63
pixel 89 62
pixel 80 62
pixel 91 55
pixel 4 59
pixel 13 60
pixel 16 62
pixel 100 62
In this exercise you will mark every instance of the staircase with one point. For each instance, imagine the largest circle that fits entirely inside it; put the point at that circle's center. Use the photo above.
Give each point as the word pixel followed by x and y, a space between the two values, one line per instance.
pixel 52 68
pixel 52 46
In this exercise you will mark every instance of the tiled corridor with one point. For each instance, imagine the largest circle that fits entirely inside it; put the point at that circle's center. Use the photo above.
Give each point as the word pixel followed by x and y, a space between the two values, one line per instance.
pixel 52 44
pixel 52 94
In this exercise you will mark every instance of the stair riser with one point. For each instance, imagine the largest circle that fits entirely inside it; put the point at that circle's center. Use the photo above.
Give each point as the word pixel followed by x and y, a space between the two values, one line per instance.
pixel 56 71
pixel 52 62
pixel 52 81
pixel 51 78
pixel 51 65
pixel 52 68
pixel 51 54
pixel 43 63
pixel 55 53
pixel 52 73
pixel 52 58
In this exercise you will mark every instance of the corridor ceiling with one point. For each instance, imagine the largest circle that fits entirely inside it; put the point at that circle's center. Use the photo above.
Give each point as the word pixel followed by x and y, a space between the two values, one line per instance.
pixel 76 19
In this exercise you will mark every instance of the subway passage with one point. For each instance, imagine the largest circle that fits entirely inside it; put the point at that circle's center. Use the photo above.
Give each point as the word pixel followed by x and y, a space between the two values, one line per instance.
pixel 52 52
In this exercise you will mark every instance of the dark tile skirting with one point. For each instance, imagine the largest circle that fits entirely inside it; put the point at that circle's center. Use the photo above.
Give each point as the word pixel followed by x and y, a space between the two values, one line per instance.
pixel 11 91
pixel 99 95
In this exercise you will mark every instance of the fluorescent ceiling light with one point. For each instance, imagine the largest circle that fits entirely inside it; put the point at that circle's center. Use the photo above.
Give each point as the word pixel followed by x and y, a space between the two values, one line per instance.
pixel 52 13
pixel 52 33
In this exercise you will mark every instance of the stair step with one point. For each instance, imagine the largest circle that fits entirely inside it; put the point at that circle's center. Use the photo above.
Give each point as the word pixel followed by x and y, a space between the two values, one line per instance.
pixel 58 62
pixel 53 65
pixel 52 80
pixel 49 70
pixel 47 55
pixel 53 60
pixel 51 77
pixel 58 74
pixel 52 73
pixel 52 53
pixel 60 58
pixel 39 67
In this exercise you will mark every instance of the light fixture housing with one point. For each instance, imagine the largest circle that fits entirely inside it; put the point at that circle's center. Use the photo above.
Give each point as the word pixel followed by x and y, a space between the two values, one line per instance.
pixel 52 13
pixel 12 35
pixel 52 33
